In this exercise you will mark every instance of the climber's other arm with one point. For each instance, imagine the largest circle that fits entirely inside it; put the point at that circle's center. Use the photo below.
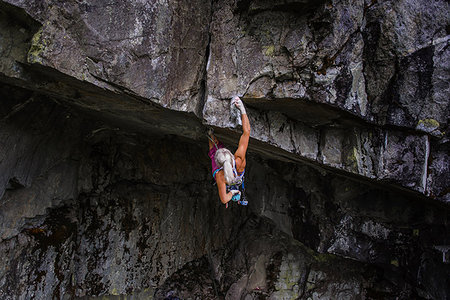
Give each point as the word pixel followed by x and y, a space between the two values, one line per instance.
pixel 221 186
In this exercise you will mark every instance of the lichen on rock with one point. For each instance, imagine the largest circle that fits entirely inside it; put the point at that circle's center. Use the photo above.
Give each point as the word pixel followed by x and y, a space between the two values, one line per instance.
pixel 38 46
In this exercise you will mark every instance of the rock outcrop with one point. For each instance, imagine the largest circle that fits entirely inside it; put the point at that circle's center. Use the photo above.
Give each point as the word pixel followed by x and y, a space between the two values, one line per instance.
pixel 352 85
pixel 105 186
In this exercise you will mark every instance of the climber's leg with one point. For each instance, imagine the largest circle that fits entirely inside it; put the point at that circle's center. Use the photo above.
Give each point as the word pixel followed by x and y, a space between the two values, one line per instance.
pixel 212 140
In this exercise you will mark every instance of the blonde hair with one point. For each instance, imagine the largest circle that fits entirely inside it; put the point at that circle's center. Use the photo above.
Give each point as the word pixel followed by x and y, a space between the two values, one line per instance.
pixel 224 158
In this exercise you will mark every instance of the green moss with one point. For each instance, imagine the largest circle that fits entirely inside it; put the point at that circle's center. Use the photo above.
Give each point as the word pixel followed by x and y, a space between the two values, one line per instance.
pixel 323 258
pixel 310 286
pixel 38 46
pixel 355 155
pixel 353 158
pixel 394 262
pixel 430 123
pixel 269 50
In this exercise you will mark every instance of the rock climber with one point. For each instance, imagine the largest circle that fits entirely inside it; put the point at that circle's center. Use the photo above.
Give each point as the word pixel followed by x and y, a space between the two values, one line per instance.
pixel 228 169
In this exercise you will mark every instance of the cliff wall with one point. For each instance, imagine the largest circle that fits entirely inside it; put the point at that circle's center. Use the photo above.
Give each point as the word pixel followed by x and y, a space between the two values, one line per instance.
pixel 105 184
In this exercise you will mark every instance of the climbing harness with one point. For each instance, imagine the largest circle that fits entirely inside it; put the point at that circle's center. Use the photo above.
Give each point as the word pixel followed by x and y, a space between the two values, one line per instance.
pixel 239 198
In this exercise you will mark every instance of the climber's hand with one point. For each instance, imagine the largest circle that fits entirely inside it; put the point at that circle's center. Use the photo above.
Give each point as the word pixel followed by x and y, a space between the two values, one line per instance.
pixel 236 195
pixel 234 192
pixel 239 104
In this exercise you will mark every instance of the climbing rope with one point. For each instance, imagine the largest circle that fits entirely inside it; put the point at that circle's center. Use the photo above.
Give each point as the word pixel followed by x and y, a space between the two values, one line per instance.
pixel 217 147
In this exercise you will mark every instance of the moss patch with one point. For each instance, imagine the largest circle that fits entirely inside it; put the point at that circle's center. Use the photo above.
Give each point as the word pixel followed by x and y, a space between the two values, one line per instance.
pixel 38 46
pixel 394 262
pixel 429 123
pixel 269 50
pixel 352 159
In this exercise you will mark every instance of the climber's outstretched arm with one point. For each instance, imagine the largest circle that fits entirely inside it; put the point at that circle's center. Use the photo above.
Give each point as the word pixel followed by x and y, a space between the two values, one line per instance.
pixel 245 137
pixel 245 124
pixel 243 141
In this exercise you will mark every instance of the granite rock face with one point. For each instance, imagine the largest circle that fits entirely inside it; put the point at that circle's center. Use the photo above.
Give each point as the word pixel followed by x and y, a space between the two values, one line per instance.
pixel 103 211
pixel 112 211
pixel 105 187
pixel 370 63
pixel 268 264
pixel 140 46
pixel 370 69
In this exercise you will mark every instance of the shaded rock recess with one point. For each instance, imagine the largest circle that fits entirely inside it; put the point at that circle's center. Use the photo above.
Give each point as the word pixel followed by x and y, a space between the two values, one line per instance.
pixel 106 188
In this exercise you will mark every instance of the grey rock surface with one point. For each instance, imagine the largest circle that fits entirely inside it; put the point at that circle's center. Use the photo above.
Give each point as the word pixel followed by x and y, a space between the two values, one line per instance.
pixel 315 64
pixel 135 212
pixel 372 61
pixel 138 46
pixel 266 263
pixel 105 187
pixel 115 214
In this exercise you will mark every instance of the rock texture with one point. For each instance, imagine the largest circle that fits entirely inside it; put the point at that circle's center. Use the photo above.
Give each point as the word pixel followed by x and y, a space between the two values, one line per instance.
pixel 115 212
pixel 105 187
pixel 267 264
pixel 137 46
pixel 93 210
pixel 370 63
